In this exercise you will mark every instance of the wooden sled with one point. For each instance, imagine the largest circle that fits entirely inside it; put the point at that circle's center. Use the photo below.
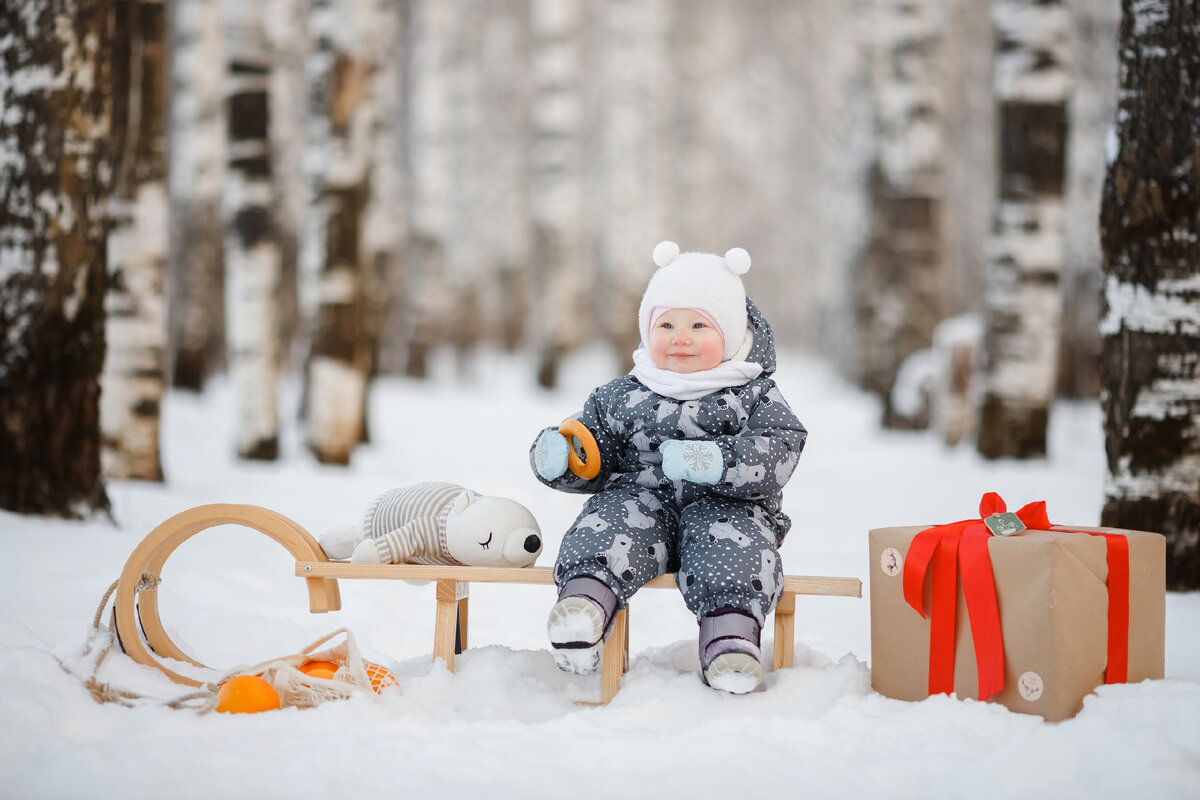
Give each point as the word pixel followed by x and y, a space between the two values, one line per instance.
pixel 136 609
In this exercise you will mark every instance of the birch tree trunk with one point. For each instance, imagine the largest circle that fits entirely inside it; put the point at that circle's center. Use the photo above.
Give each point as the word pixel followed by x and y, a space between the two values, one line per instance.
pixel 1026 251
pixel 427 301
pixel 636 179
pixel 384 222
pixel 504 204
pixel 56 164
pixel 902 279
pixel 707 53
pixel 196 298
pixel 1150 327
pixel 340 356
pixel 561 268
pixel 1094 28
pixel 134 366
pixel 252 257
pixel 288 46
pixel 466 261
pixel 387 225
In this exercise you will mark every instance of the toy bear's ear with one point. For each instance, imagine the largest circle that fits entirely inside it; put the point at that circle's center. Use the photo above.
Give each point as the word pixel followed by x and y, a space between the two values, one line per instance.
pixel 463 501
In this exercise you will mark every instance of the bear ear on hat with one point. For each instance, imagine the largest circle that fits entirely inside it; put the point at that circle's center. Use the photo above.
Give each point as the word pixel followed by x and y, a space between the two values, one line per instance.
pixel 738 260
pixel 665 252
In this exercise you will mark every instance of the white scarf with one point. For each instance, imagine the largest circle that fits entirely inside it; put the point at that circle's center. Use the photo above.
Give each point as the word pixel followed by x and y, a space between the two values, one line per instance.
pixel 694 385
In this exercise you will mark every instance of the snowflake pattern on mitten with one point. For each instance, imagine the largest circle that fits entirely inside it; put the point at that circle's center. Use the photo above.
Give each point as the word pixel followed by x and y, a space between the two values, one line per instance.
pixel 697 458
pixel 698 462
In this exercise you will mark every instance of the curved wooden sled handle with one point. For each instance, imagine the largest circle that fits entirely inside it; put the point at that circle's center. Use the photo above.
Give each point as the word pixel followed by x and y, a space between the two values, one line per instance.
pixel 150 555
pixel 588 467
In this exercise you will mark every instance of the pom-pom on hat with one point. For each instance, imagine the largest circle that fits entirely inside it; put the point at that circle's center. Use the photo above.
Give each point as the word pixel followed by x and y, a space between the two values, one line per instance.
pixel 703 281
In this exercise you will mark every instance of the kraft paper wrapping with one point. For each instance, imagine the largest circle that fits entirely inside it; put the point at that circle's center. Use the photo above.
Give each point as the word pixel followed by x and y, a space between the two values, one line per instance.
pixel 1053 601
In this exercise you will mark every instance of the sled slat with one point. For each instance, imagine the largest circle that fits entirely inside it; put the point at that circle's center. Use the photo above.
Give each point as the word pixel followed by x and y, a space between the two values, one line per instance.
pixel 794 584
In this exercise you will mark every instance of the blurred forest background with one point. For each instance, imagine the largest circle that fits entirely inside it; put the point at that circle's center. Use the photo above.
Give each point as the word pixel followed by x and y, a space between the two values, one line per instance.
pixel 336 187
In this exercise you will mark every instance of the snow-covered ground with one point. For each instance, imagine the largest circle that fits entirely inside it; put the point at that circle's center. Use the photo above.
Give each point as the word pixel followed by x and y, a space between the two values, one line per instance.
pixel 505 724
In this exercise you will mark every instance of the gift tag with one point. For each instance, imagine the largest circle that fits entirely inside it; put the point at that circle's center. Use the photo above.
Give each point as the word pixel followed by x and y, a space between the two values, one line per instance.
pixel 1030 686
pixel 891 562
pixel 1005 524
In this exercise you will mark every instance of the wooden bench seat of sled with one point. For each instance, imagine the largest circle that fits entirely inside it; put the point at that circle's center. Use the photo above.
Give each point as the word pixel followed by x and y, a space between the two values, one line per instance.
pixel 452 595
pixel 136 608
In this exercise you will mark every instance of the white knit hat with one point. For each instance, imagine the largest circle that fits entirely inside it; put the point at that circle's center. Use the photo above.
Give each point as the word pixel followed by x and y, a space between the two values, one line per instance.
pixel 703 281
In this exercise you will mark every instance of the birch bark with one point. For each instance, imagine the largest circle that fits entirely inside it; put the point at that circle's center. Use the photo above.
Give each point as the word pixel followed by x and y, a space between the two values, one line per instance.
pixel 342 119
pixel 56 167
pixel 134 365
pixel 636 179
pixel 902 279
pixel 427 301
pixel 385 228
pixel 1026 251
pixel 195 257
pixel 252 256
pixel 504 203
pixel 561 269
pixel 1150 326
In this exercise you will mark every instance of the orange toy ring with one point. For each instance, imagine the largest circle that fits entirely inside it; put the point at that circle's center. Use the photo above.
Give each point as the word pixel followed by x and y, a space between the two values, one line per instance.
pixel 589 466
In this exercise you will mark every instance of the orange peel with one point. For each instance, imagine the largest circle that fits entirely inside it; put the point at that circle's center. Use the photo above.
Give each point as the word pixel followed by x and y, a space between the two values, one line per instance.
pixel 246 694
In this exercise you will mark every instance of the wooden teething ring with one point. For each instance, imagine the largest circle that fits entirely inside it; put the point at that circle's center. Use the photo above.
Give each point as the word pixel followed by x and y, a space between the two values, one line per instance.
pixel 134 606
pixel 586 468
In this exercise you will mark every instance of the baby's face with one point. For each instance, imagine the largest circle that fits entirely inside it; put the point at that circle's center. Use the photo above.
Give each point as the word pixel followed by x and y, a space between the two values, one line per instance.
pixel 683 340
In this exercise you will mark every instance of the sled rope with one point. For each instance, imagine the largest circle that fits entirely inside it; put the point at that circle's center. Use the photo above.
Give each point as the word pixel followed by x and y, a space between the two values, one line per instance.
pixel 201 701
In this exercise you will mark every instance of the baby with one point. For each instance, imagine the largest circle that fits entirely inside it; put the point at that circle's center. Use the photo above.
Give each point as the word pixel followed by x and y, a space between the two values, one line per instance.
pixel 695 446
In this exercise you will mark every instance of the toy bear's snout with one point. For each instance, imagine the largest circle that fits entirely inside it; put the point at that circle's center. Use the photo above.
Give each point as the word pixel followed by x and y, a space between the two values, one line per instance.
pixel 532 543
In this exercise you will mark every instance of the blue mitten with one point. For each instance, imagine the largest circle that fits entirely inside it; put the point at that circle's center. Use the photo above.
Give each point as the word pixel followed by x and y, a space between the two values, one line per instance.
pixel 550 454
pixel 698 462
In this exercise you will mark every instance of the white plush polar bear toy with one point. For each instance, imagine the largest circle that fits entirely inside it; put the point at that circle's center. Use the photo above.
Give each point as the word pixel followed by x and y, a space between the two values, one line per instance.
pixel 439 523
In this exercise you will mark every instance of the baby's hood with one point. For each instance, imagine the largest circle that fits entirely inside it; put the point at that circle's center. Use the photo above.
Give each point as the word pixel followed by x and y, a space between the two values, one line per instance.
pixel 762 351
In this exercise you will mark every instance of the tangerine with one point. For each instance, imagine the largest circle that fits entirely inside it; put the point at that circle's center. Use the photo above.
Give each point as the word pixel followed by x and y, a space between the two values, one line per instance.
pixel 319 669
pixel 246 694
pixel 381 677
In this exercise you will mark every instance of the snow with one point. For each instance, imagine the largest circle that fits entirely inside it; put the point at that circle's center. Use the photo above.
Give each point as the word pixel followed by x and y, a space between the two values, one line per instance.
pixel 505 724
pixel 1170 308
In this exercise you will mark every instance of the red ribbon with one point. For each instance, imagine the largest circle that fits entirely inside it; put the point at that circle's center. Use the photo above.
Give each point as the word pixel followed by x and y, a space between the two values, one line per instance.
pixel 962 546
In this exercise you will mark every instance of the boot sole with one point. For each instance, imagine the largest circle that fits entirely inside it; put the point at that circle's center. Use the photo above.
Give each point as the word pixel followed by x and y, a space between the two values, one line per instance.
pixel 736 673
pixel 575 627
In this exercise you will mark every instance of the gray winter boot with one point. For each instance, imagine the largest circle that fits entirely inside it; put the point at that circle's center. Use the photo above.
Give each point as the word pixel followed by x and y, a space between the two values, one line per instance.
pixel 730 658
pixel 580 622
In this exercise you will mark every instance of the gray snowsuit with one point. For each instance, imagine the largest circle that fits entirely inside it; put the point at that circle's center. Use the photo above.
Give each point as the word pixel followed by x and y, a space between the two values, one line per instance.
pixel 723 539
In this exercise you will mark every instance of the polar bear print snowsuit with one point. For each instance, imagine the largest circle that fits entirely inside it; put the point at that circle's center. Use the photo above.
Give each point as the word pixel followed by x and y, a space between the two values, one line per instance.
pixel 706 530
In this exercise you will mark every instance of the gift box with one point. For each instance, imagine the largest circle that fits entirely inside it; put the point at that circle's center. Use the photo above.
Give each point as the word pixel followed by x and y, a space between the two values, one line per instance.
pixel 1034 618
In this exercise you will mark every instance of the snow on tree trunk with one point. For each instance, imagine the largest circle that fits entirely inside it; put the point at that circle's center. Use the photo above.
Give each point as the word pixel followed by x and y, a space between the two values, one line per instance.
pixel 133 375
pixel 342 119
pixel 56 167
pixel 561 269
pixel 196 304
pixel 901 282
pixel 1150 327
pixel 252 257
pixel 1025 257
pixel 636 179
pixel 427 298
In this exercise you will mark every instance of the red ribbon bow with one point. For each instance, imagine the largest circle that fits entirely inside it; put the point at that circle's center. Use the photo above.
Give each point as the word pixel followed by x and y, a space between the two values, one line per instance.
pixel 963 546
